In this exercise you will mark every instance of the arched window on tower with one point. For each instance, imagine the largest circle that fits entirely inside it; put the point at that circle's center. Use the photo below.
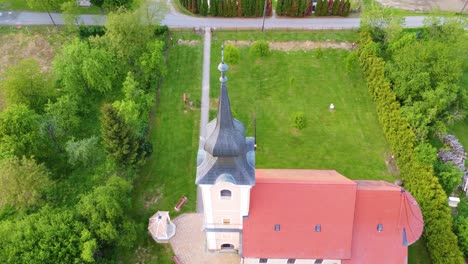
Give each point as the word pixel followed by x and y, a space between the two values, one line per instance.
pixel 226 194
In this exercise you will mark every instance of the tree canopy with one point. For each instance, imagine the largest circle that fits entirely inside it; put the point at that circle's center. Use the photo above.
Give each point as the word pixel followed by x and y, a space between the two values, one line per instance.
pixel 19 131
pixel 25 83
pixel 22 181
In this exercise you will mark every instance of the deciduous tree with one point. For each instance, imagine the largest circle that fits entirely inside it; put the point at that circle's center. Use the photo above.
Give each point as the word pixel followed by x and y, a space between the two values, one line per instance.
pixel 19 132
pixel 22 181
pixel 104 212
pixel 25 83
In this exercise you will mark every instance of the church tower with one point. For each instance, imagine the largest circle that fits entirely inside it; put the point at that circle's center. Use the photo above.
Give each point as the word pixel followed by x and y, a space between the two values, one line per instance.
pixel 225 174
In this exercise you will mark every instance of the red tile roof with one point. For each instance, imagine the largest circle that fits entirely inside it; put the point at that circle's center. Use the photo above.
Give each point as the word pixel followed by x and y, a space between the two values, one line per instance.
pixel 293 205
pixel 348 212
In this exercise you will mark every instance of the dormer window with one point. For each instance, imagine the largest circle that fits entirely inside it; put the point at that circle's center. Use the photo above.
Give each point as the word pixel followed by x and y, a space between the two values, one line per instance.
pixel 226 194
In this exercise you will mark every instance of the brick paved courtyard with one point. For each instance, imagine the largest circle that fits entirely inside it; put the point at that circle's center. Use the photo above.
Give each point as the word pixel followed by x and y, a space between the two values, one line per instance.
pixel 189 243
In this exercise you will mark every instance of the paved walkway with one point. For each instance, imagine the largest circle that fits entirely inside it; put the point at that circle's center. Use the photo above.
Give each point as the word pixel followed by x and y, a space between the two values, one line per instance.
pixel 205 100
pixel 189 243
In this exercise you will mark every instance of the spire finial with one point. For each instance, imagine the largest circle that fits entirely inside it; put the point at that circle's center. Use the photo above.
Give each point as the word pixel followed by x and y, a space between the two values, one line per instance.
pixel 222 67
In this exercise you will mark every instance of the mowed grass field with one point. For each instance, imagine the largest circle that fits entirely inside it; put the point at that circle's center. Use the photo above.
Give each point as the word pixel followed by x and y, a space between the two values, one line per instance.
pixel 169 173
pixel 348 139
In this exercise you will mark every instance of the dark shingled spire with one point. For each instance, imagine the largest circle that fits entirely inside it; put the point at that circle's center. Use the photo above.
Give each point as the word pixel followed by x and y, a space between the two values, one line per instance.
pixel 226 154
pixel 225 140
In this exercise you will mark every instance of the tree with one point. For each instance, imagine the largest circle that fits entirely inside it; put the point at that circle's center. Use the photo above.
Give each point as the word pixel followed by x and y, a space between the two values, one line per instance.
pixel 118 138
pixel 383 25
pixel 82 152
pixel 104 212
pixel 22 181
pixel 136 105
pixel 152 66
pixel 61 119
pixel 83 69
pixel 19 132
pixel 98 70
pixel 127 35
pixel 426 79
pixel 461 227
pixel 335 6
pixel 152 11
pixel 70 11
pixel 24 83
pixel 449 176
pixel 48 236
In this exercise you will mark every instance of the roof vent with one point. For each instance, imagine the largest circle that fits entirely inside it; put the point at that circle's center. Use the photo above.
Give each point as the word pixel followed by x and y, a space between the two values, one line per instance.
pixel 379 227
pixel 318 228
pixel 277 227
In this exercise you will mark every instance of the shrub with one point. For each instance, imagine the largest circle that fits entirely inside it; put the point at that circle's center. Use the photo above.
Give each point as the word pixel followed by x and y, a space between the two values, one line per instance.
pixel 298 120
pixel 231 54
pixel 350 61
pixel 318 53
pixel 260 48
pixel 88 31
pixel 461 227
pixel 161 30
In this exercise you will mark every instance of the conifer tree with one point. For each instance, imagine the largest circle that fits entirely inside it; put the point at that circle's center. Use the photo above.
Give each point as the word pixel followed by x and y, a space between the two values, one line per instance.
pixel 346 8
pixel 324 10
pixel 318 8
pixel 335 6
pixel 341 8
pixel 119 140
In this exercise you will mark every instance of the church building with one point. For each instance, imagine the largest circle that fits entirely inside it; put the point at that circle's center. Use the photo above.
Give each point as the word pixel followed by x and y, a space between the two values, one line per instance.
pixel 294 215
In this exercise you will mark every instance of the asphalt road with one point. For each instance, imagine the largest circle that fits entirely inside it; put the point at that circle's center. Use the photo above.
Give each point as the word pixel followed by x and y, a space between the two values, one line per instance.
pixel 177 20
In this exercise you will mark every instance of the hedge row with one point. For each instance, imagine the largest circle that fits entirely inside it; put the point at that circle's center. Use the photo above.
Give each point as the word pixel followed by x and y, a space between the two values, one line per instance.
pixel 294 8
pixel 332 8
pixel 418 178
pixel 228 8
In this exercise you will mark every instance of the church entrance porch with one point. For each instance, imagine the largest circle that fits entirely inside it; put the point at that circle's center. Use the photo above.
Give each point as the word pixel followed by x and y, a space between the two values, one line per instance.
pixel 189 243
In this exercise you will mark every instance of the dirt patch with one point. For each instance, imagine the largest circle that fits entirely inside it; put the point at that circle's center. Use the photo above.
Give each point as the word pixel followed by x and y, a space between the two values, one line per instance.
pixel 15 47
pixel 154 199
pixel 214 103
pixel 390 162
pixel 188 42
pixel 295 45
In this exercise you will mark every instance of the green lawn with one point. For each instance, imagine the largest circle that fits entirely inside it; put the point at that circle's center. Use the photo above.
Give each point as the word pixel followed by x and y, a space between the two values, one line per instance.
pixel 418 254
pixel 170 172
pixel 22 5
pixel 348 140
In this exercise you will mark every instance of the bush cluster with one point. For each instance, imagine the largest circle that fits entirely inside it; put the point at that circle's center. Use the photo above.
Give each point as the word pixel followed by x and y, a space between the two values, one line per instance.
pixel 260 48
pixel 228 8
pixel 298 120
pixel 418 177
pixel 231 54
pixel 88 31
